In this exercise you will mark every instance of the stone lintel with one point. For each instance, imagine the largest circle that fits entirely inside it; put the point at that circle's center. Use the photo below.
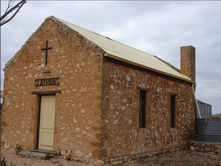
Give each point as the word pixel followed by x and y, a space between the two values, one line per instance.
pixel 173 94
pixel 45 92
pixel 143 89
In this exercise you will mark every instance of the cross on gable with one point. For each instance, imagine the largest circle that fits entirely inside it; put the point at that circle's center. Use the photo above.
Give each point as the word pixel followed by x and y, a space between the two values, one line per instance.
pixel 46 49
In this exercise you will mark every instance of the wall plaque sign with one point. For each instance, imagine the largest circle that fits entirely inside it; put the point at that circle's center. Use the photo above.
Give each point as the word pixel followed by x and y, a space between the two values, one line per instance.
pixel 47 81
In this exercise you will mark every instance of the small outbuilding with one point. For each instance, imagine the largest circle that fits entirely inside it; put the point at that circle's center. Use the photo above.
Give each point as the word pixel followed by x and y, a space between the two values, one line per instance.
pixel 70 89
pixel 205 110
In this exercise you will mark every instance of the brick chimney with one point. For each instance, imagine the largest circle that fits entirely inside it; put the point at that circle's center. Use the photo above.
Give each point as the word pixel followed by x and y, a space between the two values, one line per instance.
pixel 187 61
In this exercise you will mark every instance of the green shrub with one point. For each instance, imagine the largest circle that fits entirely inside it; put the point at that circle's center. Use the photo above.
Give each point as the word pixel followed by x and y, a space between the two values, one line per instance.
pixel 47 157
pixel 68 158
pixel 18 148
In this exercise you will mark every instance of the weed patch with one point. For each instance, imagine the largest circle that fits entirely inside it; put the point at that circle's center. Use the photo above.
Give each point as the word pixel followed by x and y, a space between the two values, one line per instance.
pixel 18 148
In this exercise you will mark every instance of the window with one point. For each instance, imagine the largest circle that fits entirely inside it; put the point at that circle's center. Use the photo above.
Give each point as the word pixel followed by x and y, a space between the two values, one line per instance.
pixel 142 114
pixel 142 108
pixel 172 111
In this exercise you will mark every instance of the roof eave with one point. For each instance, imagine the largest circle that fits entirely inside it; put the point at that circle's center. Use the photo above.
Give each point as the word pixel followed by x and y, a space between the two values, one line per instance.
pixel 148 68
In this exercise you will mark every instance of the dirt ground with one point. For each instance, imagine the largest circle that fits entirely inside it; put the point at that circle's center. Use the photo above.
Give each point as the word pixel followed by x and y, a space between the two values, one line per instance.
pixel 180 158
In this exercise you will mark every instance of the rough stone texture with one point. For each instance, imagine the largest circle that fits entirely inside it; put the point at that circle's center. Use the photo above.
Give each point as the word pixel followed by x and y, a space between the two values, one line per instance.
pixel 97 107
pixel 187 61
pixel 206 147
pixel 34 155
pixel 121 135
pixel 78 63
pixel 124 159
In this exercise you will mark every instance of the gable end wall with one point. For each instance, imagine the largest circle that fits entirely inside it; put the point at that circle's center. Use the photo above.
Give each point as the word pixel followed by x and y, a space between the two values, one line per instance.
pixel 78 64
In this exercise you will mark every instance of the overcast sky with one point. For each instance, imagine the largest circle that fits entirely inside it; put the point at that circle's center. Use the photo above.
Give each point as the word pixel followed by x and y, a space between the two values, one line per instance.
pixel 156 27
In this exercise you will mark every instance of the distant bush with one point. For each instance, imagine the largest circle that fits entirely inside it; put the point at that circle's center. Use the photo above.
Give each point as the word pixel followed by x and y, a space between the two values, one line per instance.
pixel 216 116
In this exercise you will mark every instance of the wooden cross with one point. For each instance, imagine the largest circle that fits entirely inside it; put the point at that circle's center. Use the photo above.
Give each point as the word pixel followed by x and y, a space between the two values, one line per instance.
pixel 46 49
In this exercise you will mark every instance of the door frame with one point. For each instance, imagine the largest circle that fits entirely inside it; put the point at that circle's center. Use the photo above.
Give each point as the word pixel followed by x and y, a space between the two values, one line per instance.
pixel 39 94
pixel 39 118
pixel 38 121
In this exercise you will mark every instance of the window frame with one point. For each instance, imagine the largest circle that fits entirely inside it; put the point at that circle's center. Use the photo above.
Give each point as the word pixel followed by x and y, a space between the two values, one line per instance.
pixel 172 110
pixel 142 107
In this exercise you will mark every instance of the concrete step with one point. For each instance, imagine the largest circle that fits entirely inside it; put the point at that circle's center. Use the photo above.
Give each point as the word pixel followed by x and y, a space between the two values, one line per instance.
pixel 36 155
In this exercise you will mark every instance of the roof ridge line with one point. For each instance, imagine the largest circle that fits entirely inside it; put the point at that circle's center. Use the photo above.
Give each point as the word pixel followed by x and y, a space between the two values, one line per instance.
pixel 63 21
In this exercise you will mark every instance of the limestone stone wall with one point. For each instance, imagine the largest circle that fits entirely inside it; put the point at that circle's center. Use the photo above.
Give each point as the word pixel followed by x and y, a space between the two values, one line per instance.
pixel 78 64
pixel 122 159
pixel 206 147
pixel 187 61
pixel 121 135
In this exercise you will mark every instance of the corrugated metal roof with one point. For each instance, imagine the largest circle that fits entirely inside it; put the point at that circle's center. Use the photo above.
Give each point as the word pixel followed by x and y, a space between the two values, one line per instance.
pixel 126 53
pixel 202 102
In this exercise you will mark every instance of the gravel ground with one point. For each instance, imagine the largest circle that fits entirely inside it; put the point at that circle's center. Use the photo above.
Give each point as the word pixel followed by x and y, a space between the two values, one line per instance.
pixel 14 160
pixel 180 158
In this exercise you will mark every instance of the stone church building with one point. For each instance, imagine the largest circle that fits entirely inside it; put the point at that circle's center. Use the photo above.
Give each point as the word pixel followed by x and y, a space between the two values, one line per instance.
pixel 68 88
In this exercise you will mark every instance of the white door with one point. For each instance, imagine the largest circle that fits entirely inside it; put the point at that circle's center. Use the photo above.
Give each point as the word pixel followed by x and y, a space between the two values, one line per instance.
pixel 47 117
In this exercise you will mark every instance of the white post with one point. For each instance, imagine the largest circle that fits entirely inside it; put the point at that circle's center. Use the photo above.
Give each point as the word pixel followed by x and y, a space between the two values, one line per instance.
pixel 196 102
